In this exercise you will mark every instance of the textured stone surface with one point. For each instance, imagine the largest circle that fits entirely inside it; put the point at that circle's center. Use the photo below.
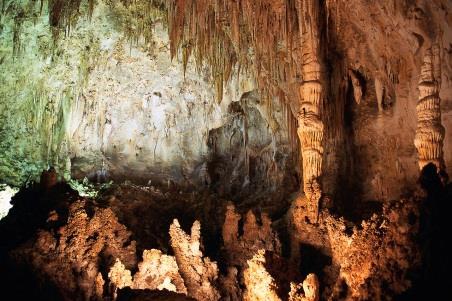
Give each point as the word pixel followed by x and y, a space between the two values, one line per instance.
pixel 310 116
pixel 69 256
pixel 199 272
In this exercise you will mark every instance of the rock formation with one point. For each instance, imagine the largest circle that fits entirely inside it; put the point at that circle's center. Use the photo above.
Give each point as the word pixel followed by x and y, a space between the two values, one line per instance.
pixel 238 249
pixel 357 86
pixel 119 277
pixel 430 132
pixel 260 285
pixel 69 256
pixel 198 272
pixel 312 96
pixel 306 291
pixel 380 250
pixel 156 114
pixel 158 271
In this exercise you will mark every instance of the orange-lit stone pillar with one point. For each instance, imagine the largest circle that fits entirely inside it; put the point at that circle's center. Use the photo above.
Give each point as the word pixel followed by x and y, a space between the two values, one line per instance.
pixel 430 133
pixel 312 93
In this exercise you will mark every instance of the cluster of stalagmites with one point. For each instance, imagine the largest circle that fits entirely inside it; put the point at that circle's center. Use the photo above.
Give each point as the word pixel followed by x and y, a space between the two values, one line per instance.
pixel 254 262
pixel 90 256
pixel 430 133
pixel 189 272
pixel 370 261
pixel 69 256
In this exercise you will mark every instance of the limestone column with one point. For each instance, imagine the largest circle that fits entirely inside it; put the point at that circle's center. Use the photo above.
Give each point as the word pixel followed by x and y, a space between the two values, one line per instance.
pixel 312 93
pixel 430 133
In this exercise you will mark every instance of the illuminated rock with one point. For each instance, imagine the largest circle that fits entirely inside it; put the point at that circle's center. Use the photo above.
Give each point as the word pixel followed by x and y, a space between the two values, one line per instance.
pixel 430 133
pixel 312 95
pixel 158 271
pixel 198 272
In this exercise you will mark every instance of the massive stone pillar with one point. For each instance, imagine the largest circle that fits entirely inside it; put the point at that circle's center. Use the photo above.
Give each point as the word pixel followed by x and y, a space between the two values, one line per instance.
pixel 312 92
pixel 430 133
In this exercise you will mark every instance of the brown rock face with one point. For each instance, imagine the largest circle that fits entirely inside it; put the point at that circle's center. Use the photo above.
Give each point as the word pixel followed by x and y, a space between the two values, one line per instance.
pixel 156 272
pixel 119 277
pixel 302 123
pixel 259 283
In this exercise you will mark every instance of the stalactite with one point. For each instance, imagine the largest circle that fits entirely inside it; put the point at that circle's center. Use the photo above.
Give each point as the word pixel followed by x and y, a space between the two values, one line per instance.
pixel 379 91
pixel 430 133
pixel 244 33
pixel 357 87
pixel 312 93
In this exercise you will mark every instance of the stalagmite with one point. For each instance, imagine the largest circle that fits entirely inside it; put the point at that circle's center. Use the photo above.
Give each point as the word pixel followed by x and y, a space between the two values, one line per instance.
pixel 308 290
pixel 119 275
pixel 312 94
pixel 231 225
pixel 260 285
pixel 240 248
pixel 158 271
pixel 430 133
pixel 198 273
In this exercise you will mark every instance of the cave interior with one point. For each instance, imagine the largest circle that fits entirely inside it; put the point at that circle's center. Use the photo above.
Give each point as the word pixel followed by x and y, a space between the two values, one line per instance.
pixel 256 150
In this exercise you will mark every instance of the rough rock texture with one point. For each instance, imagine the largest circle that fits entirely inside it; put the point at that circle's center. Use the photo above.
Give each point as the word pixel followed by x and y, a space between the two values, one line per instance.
pixel 384 43
pixel 119 276
pixel 238 249
pixel 430 133
pixel 116 106
pixel 158 271
pixel 260 285
pixel 201 102
pixel 374 260
pixel 69 256
pixel 254 147
pixel 312 96
pixel 155 272
pixel 198 272
pixel 85 86
pixel 306 291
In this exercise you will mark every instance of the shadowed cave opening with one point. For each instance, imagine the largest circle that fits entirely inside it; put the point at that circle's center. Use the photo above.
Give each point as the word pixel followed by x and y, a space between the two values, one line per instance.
pixel 225 150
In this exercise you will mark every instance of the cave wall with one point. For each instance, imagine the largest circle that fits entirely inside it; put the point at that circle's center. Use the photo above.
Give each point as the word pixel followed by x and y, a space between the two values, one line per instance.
pixel 105 98
pixel 383 45
pixel 142 117
pixel 94 103
pixel 102 103
pixel 254 150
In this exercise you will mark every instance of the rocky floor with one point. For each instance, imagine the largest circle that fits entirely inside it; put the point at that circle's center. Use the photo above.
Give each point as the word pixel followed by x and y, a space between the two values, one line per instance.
pixel 148 243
